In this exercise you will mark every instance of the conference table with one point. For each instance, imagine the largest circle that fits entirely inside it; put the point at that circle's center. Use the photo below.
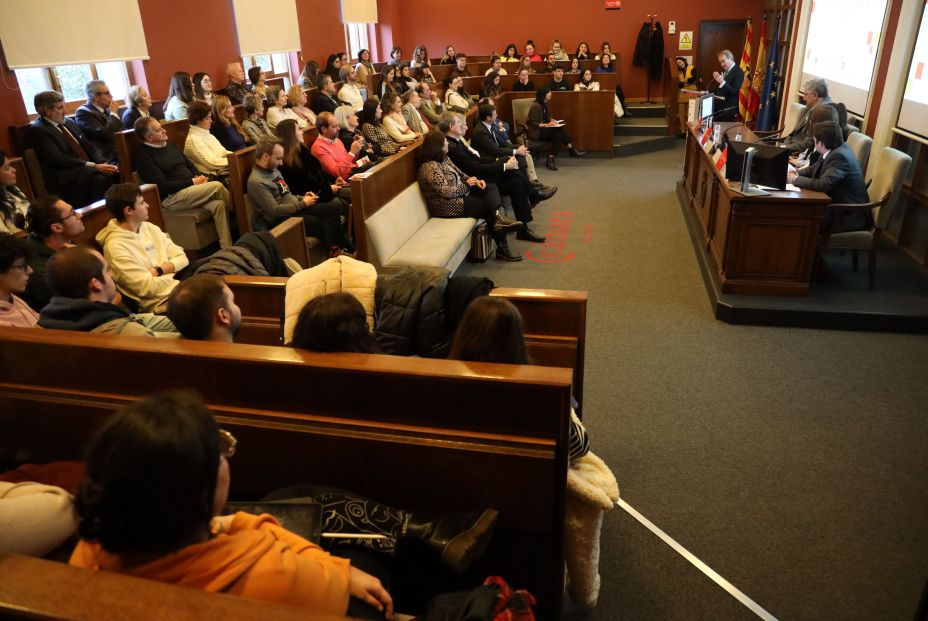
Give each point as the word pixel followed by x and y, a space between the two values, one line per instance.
pixel 755 244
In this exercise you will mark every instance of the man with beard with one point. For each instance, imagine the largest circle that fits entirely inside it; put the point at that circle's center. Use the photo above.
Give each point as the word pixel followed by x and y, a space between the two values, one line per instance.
pixel 203 308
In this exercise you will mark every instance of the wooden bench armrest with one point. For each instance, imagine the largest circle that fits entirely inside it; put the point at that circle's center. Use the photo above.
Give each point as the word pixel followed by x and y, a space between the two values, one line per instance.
pixel 291 240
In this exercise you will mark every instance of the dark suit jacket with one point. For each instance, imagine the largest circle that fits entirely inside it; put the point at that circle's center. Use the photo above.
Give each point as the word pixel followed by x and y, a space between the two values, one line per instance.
pixel 839 176
pixel 99 129
pixel 61 165
pixel 129 117
pixel 487 168
pixel 483 140
pixel 323 103
pixel 729 90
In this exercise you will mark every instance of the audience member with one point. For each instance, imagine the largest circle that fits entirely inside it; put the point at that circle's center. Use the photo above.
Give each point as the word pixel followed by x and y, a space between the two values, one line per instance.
pixel 180 186
pixel 523 84
pixel 138 103
pixel 203 87
pixel 838 175
pixel 558 83
pixel 396 56
pixel 203 308
pixel 456 99
pixel 325 99
pixel 550 63
pixel 685 75
pixel 393 122
pixel 274 202
pixel 335 322
pixel 71 165
pixel 388 80
pixel 349 129
pixel 405 79
pixel 587 83
pixel 337 162
pixel 97 121
pixel 235 88
pixel 277 99
pixel 496 64
pixel 583 51
pixel 13 203
pixel 530 52
pixel 142 256
pixel 310 74
pixel 558 51
pixel 491 85
pixel 86 300
pixel 296 101
pixel 500 131
pixel 412 102
pixel 332 65
pixel 460 66
pixel 365 67
pixel 420 58
pixel 606 66
pixel 225 127
pixel 349 93
pixel 819 114
pixel 511 55
pixel 180 95
pixel 727 87
pixel 204 150
pixel 541 127
pixel 448 57
pixel 574 65
pixel 503 172
pixel 605 50
pixel 304 175
pixel 14 275
pixel 432 107
pixel 526 63
pixel 449 193
pixel 256 77
pixel 373 131
pixel 52 225
pixel 255 126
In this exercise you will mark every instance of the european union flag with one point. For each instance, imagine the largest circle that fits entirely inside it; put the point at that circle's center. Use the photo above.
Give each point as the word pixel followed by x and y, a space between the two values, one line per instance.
pixel 769 114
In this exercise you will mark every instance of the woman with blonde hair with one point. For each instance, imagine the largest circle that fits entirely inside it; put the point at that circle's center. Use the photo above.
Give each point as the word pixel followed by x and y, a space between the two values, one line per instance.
pixel 296 97
pixel 393 122
pixel 225 127
pixel 254 125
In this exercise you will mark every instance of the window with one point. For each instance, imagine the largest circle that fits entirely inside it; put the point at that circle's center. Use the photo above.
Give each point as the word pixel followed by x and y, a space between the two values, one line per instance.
pixel 356 39
pixel 69 80
pixel 273 65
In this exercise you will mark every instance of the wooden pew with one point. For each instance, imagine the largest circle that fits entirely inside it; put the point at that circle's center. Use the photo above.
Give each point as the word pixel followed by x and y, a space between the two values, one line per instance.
pixel 23 180
pixel 442 437
pixel 589 115
pixel 95 216
pixel 240 164
pixel 32 588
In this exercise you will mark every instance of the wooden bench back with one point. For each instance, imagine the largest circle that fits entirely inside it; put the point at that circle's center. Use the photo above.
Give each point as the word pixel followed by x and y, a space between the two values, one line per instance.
pixel 95 216
pixel 23 179
pixel 442 436
pixel 240 164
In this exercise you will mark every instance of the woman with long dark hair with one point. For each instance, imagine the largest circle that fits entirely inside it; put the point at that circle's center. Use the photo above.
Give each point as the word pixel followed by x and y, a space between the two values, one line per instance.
pixel 336 322
pixel 372 129
pixel 541 127
pixel 203 87
pixel 13 203
pixel 332 65
pixel 388 80
pixel 491 85
pixel 180 95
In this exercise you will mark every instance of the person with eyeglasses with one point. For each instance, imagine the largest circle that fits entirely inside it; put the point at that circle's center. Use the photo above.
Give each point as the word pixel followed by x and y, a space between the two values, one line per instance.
pixel 97 121
pixel 157 480
pixel 52 224
pixel 14 274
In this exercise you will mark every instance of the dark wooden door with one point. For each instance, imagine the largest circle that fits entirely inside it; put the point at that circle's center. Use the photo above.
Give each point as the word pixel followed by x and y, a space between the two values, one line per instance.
pixel 715 36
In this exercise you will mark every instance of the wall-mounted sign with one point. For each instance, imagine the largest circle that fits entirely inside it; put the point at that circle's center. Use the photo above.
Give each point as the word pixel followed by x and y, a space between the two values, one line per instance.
pixel 686 40
pixel 613 4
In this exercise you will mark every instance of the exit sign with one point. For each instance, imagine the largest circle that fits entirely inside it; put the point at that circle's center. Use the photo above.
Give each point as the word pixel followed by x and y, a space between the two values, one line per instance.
pixel 613 4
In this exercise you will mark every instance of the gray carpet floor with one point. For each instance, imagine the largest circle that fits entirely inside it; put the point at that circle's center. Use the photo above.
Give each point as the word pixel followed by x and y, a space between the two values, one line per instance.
pixel 791 461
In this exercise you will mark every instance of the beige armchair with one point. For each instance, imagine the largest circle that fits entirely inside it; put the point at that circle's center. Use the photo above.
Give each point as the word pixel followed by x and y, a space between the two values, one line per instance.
pixel 860 143
pixel 890 169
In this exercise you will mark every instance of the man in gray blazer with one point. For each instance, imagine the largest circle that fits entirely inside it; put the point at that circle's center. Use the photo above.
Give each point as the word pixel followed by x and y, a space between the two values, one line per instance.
pixel 814 93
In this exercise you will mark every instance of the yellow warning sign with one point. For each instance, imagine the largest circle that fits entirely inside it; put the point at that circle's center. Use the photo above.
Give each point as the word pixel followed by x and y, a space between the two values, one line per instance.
pixel 686 39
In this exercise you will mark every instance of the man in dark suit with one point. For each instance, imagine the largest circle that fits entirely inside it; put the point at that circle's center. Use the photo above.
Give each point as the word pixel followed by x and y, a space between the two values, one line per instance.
pixel 488 144
pixel 72 167
pixel 324 100
pixel 729 84
pixel 838 175
pixel 502 171
pixel 97 122
pixel 814 94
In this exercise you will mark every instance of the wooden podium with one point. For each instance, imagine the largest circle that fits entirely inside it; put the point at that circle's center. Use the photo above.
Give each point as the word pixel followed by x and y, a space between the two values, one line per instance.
pixel 761 245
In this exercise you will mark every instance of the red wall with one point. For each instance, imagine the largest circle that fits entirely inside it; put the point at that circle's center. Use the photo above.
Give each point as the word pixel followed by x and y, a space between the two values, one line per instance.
pixel 487 26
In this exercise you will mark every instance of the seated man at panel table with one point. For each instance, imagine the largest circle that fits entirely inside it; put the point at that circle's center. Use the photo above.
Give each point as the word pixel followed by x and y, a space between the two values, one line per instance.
pixel 814 93
pixel 838 175
pixel 235 88
pixel 142 256
pixel 97 121
pixel 86 299
pixel 71 165
pixel 504 172
pixel 558 83
pixel 203 308
pixel 52 225
pixel 179 184
pixel 204 150
pixel 325 99
pixel 486 139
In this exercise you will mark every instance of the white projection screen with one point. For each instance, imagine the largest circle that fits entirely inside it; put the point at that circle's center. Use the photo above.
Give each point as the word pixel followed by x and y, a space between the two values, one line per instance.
pixel 844 38
pixel 913 116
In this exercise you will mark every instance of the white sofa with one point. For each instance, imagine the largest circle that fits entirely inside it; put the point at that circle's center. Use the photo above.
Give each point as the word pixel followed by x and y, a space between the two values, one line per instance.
pixel 401 233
